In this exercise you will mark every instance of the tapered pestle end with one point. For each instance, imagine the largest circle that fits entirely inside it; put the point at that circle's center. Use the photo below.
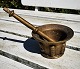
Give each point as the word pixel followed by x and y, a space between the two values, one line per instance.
pixel 6 9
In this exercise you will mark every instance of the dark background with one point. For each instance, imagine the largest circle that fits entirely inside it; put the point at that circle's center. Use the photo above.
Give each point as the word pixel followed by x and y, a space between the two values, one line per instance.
pixel 16 4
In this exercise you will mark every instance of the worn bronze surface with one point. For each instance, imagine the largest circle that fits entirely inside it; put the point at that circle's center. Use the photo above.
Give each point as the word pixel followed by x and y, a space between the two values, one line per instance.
pixel 59 33
pixel 52 37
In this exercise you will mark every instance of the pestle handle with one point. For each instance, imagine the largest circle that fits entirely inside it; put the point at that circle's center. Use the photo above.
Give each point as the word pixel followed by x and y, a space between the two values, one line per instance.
pixel 26 23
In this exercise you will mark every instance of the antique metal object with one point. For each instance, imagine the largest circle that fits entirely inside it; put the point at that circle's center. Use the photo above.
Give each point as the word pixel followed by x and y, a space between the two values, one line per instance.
pixel 59 33
pixel 51 37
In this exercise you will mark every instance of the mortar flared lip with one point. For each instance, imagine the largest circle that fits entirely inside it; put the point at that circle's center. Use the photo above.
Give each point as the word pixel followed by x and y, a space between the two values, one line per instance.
pixel 70 35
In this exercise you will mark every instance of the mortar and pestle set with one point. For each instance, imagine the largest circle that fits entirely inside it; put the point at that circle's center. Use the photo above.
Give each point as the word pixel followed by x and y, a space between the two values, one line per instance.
pixel 52 38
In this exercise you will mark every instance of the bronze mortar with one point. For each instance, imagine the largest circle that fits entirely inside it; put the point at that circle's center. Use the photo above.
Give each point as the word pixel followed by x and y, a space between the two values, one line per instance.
pixel 59 33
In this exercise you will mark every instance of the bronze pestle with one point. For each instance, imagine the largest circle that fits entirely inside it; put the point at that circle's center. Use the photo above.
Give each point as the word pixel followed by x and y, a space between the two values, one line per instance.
pixel 26 23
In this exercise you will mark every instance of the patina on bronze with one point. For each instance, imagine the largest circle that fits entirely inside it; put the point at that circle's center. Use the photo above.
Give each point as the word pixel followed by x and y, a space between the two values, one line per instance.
pixel 59 33
pixel 51 37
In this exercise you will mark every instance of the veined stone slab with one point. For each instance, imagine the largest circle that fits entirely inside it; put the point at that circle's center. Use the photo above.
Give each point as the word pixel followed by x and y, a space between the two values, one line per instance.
pixel 26 50
pixel 6 63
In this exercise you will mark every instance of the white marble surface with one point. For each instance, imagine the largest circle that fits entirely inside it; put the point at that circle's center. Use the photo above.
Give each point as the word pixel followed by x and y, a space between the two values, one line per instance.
pixel 6 63
pixel 70 59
